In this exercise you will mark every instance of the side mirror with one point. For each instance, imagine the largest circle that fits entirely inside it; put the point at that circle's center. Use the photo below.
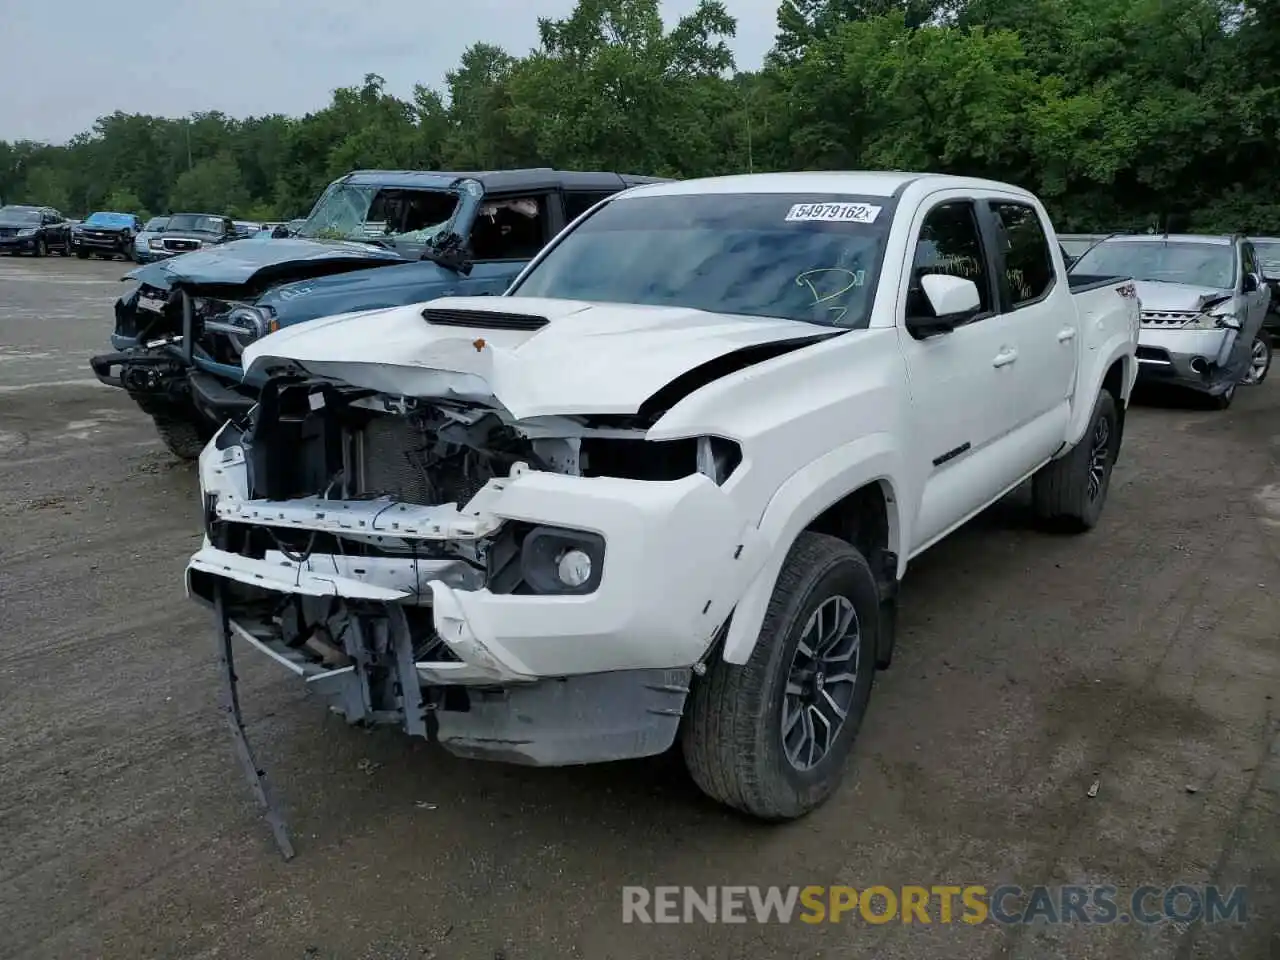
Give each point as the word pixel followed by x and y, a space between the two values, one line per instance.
pixel 954 299
pixel 1252 283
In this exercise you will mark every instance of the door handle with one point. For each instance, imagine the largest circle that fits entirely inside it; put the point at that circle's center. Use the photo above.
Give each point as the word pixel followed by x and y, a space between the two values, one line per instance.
pixel 1066 334
pixel 1005 357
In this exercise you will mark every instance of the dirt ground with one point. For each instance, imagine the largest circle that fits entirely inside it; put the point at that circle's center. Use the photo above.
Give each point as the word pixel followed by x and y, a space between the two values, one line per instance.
pixel 1144 656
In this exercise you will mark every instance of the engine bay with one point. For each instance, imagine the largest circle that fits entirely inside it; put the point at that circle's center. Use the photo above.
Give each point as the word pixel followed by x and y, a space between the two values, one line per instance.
pixel 316 438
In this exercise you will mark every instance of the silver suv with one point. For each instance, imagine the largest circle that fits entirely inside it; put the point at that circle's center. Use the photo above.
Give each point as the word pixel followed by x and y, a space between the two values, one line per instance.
pixel 1203 300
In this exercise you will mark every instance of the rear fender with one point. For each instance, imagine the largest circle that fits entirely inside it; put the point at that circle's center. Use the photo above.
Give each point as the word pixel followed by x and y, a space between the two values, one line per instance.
pixel 1093 371
pixel 797 503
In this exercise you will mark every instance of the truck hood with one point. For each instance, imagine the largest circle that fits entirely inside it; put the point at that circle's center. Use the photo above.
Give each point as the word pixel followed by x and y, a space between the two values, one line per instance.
pixel 589 358
pixel 252 262
pixel 1160 297
pixel 322 296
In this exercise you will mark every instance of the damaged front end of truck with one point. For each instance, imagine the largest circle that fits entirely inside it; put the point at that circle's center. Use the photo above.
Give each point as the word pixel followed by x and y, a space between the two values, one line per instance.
pixel 459 522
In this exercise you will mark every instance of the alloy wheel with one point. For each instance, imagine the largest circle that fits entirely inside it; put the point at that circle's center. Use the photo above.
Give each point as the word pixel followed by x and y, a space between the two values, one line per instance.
pixel 821 682
pixel 1099 453
pixel 1259 361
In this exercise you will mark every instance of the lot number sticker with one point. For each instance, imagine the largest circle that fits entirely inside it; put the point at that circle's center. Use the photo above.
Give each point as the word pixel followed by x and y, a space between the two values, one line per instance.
pixel 833 212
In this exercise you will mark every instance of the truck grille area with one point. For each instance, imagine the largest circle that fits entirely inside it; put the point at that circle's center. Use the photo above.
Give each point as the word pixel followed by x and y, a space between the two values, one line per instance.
pixel 310 439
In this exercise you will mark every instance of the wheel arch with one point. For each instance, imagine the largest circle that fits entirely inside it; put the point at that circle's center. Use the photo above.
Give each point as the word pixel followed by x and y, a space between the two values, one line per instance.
pixel 1115 374
pixel 854 493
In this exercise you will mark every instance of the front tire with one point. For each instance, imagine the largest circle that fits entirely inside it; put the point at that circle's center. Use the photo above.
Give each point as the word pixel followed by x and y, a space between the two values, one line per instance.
pixel 183 438
pixel 1259 360
pixel 771 737
pixel 1068 493
pixel 41 248
pixel 82 254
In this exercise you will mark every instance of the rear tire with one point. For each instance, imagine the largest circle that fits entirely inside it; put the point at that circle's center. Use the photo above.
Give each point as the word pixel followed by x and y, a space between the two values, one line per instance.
pixel 82 254
pixel 1069 493
pixel 736 744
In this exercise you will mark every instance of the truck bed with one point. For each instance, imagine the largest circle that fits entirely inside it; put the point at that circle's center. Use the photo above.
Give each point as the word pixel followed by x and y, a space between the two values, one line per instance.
pixel 1083 282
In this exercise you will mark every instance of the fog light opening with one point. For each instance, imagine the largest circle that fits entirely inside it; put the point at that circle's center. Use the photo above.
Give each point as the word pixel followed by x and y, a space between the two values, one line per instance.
pixel 573 568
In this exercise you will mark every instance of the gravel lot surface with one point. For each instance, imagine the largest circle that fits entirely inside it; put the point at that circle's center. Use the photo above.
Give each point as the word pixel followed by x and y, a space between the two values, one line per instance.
pixel 1144 656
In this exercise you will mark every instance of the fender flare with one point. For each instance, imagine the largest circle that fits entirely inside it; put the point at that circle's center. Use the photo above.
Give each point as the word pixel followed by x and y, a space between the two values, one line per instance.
pixel 796 504
pixel 1117 348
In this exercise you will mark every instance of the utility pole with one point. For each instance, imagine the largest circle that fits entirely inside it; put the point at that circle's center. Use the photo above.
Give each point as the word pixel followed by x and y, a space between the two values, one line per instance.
pixel 188 127
pixel 750 159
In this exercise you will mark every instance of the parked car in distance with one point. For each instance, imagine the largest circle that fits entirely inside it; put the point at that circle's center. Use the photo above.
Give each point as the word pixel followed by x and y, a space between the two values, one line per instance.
pixel 33 230
pixel 106 234
pixel 756 398
pixel 142 242
pixel 1203 305
pixel 245 228
pixel 376 238
pixel 186 232
pixel 267 230
pixel 1268 253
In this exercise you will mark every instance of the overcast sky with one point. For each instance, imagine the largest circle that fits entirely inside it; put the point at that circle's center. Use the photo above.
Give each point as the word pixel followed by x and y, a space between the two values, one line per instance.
pixel 67 62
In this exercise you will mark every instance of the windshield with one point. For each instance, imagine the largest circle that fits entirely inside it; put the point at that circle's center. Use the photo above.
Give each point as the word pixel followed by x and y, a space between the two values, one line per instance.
pixel 1166 261
pixel 402 219
pixel 1268 252
pixel 194 222
pixel 790 256
pixel 109 220
pixel 156 223
pixel 19 214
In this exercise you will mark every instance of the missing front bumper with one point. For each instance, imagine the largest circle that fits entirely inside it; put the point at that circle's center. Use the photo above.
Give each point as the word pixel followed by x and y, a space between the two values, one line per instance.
pixel 374 678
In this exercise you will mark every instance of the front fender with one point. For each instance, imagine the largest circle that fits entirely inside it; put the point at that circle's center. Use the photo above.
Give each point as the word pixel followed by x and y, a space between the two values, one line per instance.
pixel 797 503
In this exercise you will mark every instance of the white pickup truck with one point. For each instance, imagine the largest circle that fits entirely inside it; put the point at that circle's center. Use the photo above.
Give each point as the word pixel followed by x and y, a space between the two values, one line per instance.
pixel 668 484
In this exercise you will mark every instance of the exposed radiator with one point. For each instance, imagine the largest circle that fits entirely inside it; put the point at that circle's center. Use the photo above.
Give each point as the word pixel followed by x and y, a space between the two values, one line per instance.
pixel 392 451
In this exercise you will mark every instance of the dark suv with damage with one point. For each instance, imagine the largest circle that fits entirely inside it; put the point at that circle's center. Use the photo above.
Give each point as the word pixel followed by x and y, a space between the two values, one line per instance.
pixel 106 234
pixel 375 238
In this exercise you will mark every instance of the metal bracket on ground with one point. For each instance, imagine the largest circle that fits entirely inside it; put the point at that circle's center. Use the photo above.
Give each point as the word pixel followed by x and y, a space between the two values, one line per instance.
pixel 230 703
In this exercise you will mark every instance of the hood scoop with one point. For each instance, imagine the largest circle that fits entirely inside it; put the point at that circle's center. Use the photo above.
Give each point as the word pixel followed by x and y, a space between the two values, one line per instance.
pixel 483 319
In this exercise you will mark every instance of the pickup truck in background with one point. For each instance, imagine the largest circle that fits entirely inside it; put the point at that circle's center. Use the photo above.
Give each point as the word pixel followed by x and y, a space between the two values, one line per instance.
pixel 668 484
pixel 106 233
pixel 180 333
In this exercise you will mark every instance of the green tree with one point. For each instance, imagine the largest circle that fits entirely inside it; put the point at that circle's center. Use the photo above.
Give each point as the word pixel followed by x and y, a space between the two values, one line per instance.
pixel 210 186
pixel 124 200
pixel 46 186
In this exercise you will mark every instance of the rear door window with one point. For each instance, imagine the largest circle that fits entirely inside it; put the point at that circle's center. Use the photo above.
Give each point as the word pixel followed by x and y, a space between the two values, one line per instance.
pixel 1027 263
pixel 511 228
pixel 578 202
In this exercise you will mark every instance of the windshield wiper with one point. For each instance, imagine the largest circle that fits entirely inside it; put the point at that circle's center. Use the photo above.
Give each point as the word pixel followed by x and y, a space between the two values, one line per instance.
pixel 448 251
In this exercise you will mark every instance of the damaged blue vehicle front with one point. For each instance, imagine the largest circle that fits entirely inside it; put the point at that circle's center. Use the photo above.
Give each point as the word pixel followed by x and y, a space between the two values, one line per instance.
pixel 374 239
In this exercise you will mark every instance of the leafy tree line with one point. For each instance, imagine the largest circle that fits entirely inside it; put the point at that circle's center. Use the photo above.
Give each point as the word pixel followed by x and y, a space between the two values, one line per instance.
pixel 1120 113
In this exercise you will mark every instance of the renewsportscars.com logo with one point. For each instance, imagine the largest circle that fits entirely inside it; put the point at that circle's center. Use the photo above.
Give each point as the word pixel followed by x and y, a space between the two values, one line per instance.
pixel 945 904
